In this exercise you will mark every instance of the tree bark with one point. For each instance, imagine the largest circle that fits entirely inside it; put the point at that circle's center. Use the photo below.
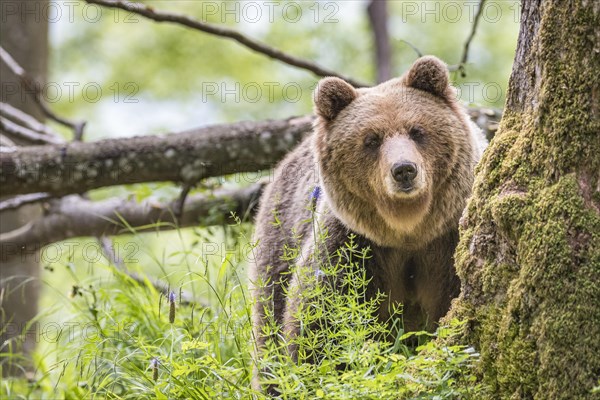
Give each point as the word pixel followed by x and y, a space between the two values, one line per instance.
pixel 25 35
pixel 186 157
pixel 529 255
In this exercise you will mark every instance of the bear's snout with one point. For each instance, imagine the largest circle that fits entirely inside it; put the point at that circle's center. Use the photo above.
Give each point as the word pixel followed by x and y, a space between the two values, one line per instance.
pixel 405 173
pixel 402 167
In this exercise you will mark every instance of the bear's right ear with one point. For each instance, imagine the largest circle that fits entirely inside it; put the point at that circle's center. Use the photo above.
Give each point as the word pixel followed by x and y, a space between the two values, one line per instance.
pixel 331 96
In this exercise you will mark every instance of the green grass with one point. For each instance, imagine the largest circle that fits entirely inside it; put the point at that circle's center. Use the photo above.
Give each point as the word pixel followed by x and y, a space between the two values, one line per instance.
pixel 121 340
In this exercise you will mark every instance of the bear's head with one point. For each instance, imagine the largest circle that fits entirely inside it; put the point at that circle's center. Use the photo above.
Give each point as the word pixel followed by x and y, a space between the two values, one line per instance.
pixel 395 160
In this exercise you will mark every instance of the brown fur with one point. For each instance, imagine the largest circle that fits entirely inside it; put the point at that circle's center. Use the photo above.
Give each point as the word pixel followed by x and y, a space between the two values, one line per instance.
pixel 413 118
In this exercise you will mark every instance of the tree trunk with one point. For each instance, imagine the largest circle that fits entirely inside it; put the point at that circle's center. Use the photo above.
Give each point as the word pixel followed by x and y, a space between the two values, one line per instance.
pixel 529 255
pixel 23 33
pixel 378 18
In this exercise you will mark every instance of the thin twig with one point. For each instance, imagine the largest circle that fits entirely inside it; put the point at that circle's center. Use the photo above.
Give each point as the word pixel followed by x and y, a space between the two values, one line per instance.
pixel 26 120
pixel 412 46
pixel 7 142
pixel 465 55
pixel 18 201
pixel 78 131
pixel 35 89
pixel 107 247
pixel 26 134
pixel 180 203
pixel 253 44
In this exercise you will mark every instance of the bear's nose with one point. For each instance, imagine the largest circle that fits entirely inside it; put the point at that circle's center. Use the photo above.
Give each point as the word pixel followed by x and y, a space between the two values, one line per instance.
pixel 404 173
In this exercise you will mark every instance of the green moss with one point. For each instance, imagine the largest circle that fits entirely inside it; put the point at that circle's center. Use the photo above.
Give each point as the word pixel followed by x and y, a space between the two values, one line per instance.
pixel 510 210
pixel 540 274
pixel 529 255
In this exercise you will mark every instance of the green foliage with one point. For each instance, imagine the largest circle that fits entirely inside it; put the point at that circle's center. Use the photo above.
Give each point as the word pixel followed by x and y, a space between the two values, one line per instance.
pixel 120 342
pixel 344 352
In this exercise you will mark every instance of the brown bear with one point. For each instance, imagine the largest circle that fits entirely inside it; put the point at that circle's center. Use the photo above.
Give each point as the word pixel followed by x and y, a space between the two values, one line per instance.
pixel 392 164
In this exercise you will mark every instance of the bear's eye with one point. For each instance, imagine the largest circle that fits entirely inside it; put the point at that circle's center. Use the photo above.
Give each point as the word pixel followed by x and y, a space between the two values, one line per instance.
pixel 417 134
pixel 372 141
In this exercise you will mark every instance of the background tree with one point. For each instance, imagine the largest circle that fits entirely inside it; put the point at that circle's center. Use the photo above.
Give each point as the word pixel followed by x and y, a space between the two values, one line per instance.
pixel 529 255
pixel 26 37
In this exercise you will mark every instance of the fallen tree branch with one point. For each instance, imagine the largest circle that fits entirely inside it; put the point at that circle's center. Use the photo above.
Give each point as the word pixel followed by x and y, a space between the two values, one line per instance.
pixel 253 44
pixel 74 216
pixel 186 157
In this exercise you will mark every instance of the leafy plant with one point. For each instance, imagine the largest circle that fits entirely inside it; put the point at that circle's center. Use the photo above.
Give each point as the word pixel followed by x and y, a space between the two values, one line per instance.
pixel 126 340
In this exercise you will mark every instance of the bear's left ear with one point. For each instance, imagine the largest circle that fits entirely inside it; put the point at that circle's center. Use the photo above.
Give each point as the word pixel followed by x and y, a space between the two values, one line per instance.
pixel 429 74
pixel 331 96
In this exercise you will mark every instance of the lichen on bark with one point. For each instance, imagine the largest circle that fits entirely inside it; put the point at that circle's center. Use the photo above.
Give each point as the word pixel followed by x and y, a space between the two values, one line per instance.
pixel 529 255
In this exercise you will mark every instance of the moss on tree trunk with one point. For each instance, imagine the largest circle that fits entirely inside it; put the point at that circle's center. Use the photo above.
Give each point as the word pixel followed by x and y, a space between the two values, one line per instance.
pixel 529 255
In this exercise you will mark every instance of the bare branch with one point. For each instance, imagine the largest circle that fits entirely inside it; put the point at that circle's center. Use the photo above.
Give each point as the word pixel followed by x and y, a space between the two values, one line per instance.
pixel 180 203
pixel 253 44
pixel 78 131
pixel 186 157
pixel 26 135
pixel 74 216
pixel 465 55
pixel 26 120
pixel 378 17
pixel 7 143
pixel 19 201
pixel 32 86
